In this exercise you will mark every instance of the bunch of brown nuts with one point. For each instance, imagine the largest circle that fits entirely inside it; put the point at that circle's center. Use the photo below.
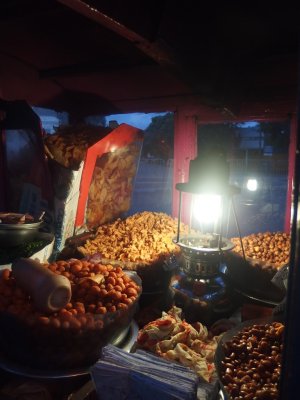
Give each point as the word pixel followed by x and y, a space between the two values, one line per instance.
pixel 252 363
pixel 270 248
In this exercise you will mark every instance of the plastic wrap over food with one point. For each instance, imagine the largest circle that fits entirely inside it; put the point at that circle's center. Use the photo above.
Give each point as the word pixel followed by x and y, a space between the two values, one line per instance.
pixel 280 279
pixel 154 278
pixel 93 171
pixel 167 264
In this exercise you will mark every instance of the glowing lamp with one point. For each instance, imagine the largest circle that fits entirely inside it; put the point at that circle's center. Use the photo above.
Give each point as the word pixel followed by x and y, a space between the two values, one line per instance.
pixel 252 184
pixel 199 287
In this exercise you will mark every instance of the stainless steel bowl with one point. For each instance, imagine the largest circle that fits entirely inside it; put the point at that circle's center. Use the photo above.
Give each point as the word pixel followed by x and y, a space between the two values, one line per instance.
pixel 15 234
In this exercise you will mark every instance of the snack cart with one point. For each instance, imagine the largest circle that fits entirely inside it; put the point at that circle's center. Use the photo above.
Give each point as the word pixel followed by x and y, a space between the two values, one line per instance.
pixel 229 64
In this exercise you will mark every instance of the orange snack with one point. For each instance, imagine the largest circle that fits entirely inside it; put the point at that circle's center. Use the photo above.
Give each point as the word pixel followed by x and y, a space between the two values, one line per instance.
pixel 73 335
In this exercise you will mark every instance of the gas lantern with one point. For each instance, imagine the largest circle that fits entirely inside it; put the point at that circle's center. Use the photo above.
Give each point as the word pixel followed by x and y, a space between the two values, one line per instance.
pixel 199 288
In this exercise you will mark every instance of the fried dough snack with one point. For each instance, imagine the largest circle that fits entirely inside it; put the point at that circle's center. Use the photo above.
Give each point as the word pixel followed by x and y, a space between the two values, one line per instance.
pixel 143 238
pixel 172 338
pixel 69 144
pixel 111 186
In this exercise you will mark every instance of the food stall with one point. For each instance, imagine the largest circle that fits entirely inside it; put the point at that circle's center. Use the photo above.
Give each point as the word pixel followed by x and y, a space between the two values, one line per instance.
pixel 112 266
pixel 93 292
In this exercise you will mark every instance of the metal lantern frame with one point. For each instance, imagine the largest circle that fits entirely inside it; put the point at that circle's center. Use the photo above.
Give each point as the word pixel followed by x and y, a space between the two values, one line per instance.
pixel 199 287
pixel 208 174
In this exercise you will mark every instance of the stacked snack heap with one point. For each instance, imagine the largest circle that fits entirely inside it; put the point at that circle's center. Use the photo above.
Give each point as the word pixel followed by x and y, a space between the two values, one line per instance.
pixel 143 238
pixel 143 243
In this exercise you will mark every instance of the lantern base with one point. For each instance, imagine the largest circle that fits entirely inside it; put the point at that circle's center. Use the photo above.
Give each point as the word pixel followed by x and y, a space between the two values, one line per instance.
pixel 202 299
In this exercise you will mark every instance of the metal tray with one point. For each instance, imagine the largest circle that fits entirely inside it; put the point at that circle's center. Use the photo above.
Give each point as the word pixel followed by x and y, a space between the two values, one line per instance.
pixel 251 283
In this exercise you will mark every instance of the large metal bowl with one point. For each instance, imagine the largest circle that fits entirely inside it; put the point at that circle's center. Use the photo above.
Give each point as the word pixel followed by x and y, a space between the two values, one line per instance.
pixel 15 234
pixel 251 282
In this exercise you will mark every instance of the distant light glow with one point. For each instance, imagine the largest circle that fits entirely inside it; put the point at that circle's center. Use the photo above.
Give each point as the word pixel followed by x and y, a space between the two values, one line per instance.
pixel 252 185
pixel 139 120
pixel 247 124
pixel 207 208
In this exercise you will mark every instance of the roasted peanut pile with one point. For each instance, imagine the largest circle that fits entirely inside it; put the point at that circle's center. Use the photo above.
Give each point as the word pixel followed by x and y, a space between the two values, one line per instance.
pixel 270 248
pixel 96 290
pixel 142 238
pixel 252 363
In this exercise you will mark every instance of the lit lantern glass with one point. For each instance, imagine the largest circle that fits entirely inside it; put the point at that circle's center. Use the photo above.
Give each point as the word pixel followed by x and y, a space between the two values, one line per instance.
pixel 207 208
